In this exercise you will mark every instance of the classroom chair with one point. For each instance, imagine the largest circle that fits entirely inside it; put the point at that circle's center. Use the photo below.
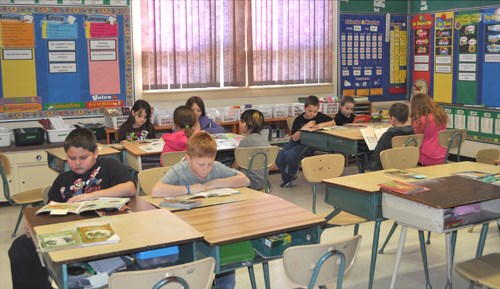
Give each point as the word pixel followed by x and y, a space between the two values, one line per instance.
pixel 483 271
pixel 195 275
pixel 452 139
pixel 487 156
pixel 148 178
pixel 31 197
pixel 169 159
pixel 289 122
pixel 318 168
pixel 257 158
pixel 45 195
pixel 399 158
pixel 407 140
pixel 321 264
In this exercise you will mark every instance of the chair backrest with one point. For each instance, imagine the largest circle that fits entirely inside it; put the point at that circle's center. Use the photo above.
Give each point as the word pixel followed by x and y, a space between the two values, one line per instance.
pixel 45 194
pixel 487 156
pixel 451 139
pixel 4 173
pixel 300 262
pixel 289 122
pixel 171 158
pixel 399 158
pixel 320 167
pixel 407 140
pixel 256 158
pixel 148 178
pixel 198 275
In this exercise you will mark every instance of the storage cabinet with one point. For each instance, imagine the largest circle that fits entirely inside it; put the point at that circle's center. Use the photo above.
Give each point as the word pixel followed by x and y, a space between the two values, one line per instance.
pixel 29 170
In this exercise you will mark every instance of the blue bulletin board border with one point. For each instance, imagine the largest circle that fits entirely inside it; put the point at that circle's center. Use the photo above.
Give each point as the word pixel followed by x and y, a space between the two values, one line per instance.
pixel 124 54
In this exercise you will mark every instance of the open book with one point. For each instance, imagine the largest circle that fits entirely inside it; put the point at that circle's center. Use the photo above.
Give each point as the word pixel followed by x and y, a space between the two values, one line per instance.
pixel 56 208
pixel 214 193
pixel 402 187
pixel 180 204
pixel 371 135
pixel 84 236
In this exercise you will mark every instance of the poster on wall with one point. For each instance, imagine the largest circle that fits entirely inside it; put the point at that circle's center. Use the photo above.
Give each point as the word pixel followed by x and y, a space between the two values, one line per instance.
pixel 422 28
pixel 491 49
pixel 398 55
pixel 67 61
pixel 443 57
pixel 466 71
pixel 362 41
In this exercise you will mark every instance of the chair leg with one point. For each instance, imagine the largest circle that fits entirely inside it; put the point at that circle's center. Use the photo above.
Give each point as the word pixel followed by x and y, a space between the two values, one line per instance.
pixel 18 221
pixel 356 229
pixel 393 228
pixel 428 242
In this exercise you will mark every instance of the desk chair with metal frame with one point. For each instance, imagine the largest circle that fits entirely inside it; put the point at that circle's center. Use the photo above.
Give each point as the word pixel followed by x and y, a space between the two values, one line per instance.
pixel 483 271
pixel 31 197
pixel 487 156
pixel 148 178
pixel 452 139
pixel 257 158
pixel 169 159
pixel 321 264
pixel 195 275
pixel 318 168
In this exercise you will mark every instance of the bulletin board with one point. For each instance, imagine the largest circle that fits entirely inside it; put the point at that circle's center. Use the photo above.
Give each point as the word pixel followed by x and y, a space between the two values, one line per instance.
pixel 63 60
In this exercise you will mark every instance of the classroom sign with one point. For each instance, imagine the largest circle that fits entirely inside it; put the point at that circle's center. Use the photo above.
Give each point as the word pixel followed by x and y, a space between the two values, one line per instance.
pixel 67 61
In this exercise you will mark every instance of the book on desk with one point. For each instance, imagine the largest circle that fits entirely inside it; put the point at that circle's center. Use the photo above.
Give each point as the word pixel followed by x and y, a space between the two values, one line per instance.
pixel 108 203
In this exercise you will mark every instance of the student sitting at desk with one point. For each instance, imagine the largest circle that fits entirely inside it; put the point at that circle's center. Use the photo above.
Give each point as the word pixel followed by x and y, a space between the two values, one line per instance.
pixel 88 178
pixel 251 123
pixel 138 125
pixel 345 114
pixel 184 123
pixel 200 172
pixel 204 123
pixel 429 119
pixel 289 157
pixel 398 117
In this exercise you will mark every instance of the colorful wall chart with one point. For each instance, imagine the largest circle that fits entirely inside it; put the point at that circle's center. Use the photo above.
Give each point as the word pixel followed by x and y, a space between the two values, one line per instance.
pixel 67 61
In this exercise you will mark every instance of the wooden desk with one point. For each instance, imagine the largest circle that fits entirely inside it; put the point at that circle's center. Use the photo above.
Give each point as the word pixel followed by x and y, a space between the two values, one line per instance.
pixel 245 194
pixel 360 195
pixel 249 220
pixel 138 231
pixel 343 140
pixel 57 159
pixel 497 162
pixel 432 211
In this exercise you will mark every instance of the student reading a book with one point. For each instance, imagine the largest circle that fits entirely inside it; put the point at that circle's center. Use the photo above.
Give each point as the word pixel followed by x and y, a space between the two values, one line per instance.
pixel 251 123
pixel 203 121
pixel 200 172
pixel 138 125
pixel 289 157
pixel 346 111
pixel 398 117
pixel 184 123
pixel 429 119
pixel 89 177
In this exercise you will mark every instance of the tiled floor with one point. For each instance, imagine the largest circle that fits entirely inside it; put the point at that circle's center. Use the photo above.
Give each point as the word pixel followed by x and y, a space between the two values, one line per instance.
pixel 410 274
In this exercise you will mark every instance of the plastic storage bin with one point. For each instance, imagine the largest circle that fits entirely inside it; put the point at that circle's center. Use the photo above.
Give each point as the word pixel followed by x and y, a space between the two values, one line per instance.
pixel 267 110
pixel 29 136
pixel 227 113
pixel 115 121
pixel 236 252
pixel 280 110
pixel 296 109
pixel 166 117
pixel 58 135
pixel 329 107
pixel 5 136
pixel 157 258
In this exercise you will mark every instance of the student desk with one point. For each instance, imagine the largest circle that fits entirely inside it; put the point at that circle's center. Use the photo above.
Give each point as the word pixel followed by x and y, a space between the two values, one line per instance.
pixel 359 194
pixel 250 220
pixel 58 161
pixel 432 211
pixel 138 231
pixel 342 139
pixel 245 194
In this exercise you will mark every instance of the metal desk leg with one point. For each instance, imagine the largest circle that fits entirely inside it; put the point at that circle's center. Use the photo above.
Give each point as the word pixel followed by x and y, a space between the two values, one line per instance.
pixel 358 163
pixel 424 258
pixel 265 269
pixel 480 245
pixel 448 259
pixel 251 273
pixel 376 234
pixel 399 254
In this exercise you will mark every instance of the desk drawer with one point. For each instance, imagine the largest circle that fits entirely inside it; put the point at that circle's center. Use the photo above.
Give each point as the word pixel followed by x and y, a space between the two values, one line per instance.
pixel 363 204
pixel 31 157
pixel 423 217
pixel 314 139
pixel 342 145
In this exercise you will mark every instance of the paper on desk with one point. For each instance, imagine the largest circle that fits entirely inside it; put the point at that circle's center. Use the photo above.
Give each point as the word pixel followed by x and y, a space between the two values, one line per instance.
pixel 154 147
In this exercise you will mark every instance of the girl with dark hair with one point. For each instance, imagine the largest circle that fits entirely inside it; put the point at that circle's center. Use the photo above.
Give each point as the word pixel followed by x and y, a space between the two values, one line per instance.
pixel 138 126
pixel 184 123
pixel 204 122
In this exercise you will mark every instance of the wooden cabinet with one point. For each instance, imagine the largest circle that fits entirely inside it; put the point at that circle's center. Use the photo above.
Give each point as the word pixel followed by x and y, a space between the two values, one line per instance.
pixel 363 108
pixel 29 170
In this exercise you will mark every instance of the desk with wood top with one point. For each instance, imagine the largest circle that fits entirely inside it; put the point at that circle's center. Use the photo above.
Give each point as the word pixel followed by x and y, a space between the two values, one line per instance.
pixel 441 210
pixel 250 220
pixel 342 139
pixel 245 194
pixel 57 159
pixel 359 194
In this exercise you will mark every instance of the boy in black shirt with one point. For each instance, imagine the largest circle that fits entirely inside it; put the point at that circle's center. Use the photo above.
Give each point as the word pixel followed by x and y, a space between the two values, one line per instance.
pixel 88 178
pixel 289 157
pixel 345 114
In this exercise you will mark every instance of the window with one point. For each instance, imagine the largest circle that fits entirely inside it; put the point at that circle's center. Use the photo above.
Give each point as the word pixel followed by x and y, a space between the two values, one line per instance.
pixel 227 43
